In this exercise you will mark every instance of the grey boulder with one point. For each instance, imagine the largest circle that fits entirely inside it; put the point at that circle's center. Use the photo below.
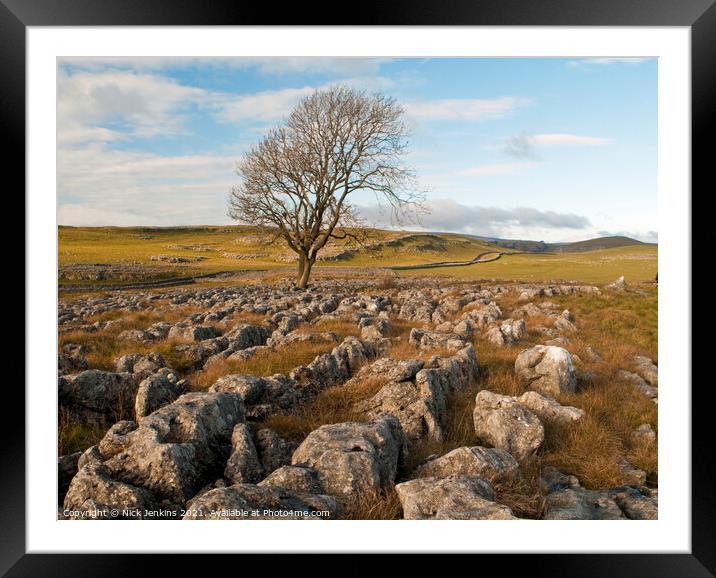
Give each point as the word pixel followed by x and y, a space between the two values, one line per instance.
pixel 452 498
pixel 93 489
pixel 647 370
pixel 296 478
pixel 156 391
pixel 352 457
pixel 248 501
pixel 547 369
pixel 273 451
pixel 502 422
pixel 98 395
pixel 175 450
pixel 548 409
pixel 243 465
pixel 491 464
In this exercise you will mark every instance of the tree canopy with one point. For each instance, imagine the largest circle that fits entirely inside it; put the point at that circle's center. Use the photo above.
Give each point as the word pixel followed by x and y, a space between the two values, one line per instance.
pixel 298 180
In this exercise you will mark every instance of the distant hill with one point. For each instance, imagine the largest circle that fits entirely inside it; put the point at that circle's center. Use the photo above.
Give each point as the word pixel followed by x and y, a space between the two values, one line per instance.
pixel 575 247
pixel 595 244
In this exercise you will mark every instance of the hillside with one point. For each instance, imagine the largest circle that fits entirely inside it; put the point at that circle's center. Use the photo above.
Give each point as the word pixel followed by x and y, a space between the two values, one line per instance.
pixel 595 244
pixel 573 247
pixel 90 256
pixel 134 254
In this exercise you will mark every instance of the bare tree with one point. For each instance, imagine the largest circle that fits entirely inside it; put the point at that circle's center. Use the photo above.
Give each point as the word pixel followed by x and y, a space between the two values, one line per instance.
pixel 297 181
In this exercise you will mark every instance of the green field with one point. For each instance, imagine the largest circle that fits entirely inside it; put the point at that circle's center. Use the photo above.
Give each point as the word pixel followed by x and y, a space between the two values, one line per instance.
pixel 637 263
pixel 131 254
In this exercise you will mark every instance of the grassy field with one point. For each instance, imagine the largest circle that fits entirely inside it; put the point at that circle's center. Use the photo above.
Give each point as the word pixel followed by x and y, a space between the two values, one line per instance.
pixel 637 263
pixel 132 254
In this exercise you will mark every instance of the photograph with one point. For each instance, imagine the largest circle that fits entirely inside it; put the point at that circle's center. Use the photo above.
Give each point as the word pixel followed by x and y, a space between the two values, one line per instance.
pixel 357 288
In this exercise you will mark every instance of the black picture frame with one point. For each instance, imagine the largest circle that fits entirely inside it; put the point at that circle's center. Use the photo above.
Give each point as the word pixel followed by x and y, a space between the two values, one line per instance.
pixel 699 15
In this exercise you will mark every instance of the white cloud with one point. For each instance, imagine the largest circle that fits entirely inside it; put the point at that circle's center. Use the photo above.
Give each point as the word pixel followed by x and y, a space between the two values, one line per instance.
pixel 127 104
pixel 449 215
pixel 273 105
pixel 109 105
pixel 99 186
pixel 527 145
pixel 268 106
pixel 464 109
pixel 81 215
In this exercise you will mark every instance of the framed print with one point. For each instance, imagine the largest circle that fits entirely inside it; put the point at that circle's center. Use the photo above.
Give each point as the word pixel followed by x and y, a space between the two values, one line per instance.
pixel 407 277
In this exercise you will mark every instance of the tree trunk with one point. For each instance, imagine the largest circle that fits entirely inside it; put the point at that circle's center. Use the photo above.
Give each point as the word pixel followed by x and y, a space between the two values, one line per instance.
pixel 302 282
pixel 301 266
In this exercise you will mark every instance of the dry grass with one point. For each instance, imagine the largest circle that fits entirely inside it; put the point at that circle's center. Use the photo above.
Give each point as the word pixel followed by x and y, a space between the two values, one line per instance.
pixel 104 349
pixel 645 456
pixel 75 435
pixel 386 282
pixel 618 327
pixel 628 320
pixel 404 350
pixel 341 327
pixel 159 310
pixel 332 405
pixel 264 363
pixel 230 321
pixel 591 449
pixel 400 328
pixel 588 450
pixel 533 323
pixel 523 494
pixel 376 505
pixel 497 367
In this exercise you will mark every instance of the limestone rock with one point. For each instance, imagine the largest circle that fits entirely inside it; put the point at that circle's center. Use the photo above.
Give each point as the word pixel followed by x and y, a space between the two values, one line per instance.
pixel 547 369
pixel 507 333
pixel 155 391
pixel 502 422
pixel 581 504
pixel 618 285
pixel 491 464
pixel 638 382
pixel 94 489
pixel 644 433
pixel 351 457
pixel 548 409
pixel 192 332
pixel 261 395
pixel 248 501
pixel 647 370
pixel 451 498
pixel 177 448
pixel 296 478
pixel 636 504
pixel 98 395
pixel 274 451
pixel 243 465
pixel 139 363
pixel 115 440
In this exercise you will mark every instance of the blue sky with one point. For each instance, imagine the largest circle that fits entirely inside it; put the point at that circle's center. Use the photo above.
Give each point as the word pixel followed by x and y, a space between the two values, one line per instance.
pixel 550 149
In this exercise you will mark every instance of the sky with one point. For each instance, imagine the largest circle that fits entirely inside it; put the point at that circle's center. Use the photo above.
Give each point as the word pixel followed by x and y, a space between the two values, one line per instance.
pixel 529 148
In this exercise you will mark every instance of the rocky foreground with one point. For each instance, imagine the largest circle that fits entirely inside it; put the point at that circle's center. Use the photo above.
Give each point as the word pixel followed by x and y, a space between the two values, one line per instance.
pixel 173 452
